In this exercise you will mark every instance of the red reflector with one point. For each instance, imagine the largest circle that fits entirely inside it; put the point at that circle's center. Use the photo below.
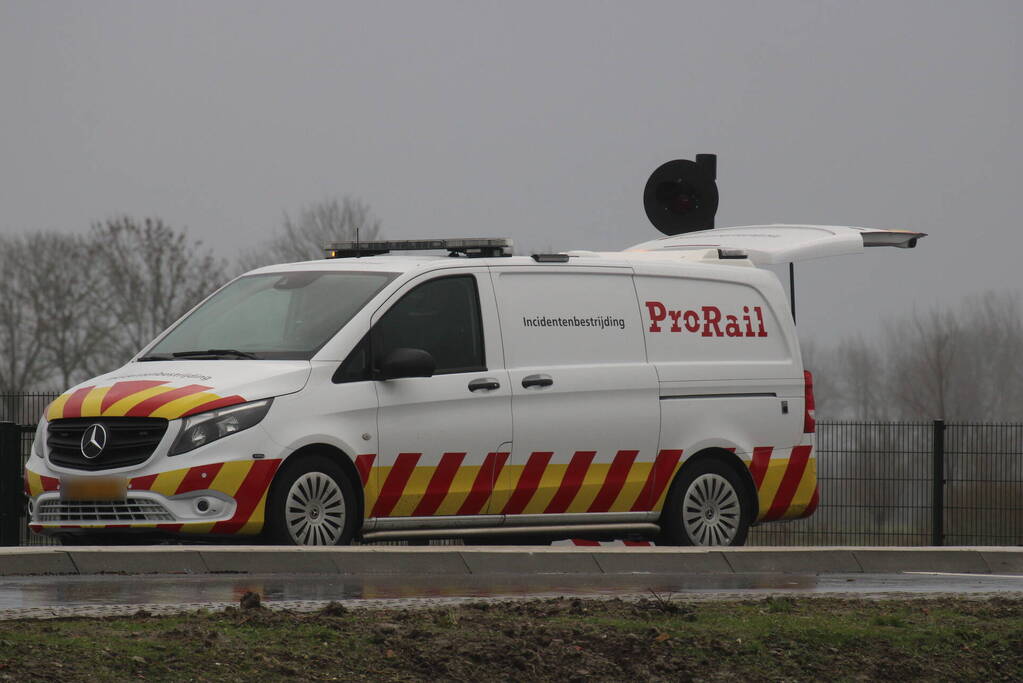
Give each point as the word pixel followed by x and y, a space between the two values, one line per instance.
pixel 809 422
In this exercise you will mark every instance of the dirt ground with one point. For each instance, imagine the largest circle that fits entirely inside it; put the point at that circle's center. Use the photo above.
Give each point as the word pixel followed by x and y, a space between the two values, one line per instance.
pixel 552 640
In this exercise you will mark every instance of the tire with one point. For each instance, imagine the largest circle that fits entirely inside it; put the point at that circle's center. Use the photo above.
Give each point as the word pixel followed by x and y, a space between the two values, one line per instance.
pixel 311 503
pixel 707 505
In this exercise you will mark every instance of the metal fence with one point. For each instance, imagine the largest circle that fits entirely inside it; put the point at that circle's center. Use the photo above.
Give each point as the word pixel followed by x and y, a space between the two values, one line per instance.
pixel 881 484
pixel 925 483
pixel 21 412
pixel 984 485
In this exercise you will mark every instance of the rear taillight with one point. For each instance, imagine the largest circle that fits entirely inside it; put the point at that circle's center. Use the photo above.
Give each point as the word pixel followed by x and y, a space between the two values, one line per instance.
pixel 809 422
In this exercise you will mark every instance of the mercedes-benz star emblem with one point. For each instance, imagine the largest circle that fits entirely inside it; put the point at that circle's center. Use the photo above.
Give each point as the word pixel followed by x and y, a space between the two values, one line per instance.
pixel 94 441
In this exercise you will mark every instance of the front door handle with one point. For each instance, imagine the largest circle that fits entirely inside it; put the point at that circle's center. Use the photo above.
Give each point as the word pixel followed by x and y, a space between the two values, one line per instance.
pixel 537 381
pixel 487 383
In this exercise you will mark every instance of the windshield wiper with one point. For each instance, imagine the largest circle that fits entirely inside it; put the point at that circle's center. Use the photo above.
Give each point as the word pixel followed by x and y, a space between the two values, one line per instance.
pixel 157 356
pixel 215 353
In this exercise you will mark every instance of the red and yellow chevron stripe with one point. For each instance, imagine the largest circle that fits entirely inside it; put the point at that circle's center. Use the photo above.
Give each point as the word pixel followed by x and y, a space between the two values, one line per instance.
pixel 247 481
pixel 139 398
pixel 538 486
pixel 36 484
pixel 786 484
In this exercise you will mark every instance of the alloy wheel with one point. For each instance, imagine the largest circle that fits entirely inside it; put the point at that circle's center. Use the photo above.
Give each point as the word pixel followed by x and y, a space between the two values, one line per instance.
pixel 711 511
pixel 315 510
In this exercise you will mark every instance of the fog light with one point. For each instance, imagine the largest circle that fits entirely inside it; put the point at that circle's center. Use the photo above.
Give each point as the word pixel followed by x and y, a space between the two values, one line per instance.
pixel 31 508
pixel 207 506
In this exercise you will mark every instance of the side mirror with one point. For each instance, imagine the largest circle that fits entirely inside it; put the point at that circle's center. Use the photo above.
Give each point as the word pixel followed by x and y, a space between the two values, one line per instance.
pixel 406 363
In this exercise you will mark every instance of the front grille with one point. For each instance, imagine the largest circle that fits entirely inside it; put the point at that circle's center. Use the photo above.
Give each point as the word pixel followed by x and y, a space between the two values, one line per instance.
pixel 82 511
pixel 130 441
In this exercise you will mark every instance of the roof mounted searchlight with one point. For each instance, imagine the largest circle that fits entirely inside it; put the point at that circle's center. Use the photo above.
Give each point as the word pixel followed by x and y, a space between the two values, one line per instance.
pixel 682 195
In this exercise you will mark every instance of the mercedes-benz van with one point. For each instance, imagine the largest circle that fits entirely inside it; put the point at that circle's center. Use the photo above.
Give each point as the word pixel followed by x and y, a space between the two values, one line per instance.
pixel 655 393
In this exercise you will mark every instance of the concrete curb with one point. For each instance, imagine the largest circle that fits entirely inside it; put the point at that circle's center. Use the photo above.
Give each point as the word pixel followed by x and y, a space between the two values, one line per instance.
pixel 812 561
pixel 507 560
pixel 29 562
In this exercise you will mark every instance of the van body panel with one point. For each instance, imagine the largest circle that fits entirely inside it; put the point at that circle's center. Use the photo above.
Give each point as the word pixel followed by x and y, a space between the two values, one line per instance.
pixel 734 422
pixel 717 324
pixel 440 446
pixel 343 416
pixel 584 399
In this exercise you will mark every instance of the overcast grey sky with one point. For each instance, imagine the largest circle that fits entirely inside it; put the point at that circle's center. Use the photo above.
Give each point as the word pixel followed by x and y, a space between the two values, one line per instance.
pixel 535 120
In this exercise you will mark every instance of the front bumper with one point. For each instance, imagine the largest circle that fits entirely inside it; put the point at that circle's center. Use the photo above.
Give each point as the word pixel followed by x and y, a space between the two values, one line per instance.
pixel 221 498
pixel 219 489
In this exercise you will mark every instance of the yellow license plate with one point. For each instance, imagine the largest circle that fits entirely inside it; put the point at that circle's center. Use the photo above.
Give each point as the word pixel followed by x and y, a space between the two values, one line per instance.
pixel 93 488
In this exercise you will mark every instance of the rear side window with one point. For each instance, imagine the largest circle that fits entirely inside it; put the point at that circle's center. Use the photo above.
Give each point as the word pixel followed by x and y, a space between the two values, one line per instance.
pixel 441 316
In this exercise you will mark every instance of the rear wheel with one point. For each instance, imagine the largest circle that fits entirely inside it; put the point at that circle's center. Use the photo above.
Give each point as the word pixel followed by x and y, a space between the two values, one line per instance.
pixel 706 507
pixel 313 503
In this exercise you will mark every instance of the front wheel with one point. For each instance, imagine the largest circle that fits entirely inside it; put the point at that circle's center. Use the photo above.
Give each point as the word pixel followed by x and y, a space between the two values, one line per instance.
pixel 313 503
pixel 705 507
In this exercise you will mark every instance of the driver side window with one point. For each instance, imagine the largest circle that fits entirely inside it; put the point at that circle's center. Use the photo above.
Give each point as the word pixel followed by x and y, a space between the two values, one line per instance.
pixel 441 316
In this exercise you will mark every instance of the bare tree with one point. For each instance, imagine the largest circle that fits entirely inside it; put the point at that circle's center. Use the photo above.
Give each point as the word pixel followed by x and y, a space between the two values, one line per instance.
pixel 922 363
pixel 990 382
pixel 862 384
pixel 317 225
pixel 152 275
pixel 66 291
pixel 955 363
pixel 22 359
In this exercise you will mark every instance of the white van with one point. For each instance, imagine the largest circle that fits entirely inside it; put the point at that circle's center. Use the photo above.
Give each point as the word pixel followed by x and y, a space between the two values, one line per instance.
pixel 656 392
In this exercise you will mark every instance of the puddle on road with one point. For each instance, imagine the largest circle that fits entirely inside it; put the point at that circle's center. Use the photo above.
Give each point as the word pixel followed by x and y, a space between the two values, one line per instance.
pixel 105 590
pixel 67 591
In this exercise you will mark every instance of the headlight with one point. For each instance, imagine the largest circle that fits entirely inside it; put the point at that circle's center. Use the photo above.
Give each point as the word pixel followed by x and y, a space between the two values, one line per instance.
pixel 205 428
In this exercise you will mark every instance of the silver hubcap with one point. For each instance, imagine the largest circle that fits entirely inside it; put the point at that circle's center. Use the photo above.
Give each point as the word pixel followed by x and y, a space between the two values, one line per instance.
pixel 315 510
pixel 711 511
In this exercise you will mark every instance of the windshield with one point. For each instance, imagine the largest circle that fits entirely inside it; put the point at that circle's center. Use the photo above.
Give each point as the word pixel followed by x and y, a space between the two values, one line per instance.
pixel 272 316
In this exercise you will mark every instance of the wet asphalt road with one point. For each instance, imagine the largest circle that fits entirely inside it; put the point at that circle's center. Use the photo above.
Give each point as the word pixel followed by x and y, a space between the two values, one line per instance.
pixel 38 592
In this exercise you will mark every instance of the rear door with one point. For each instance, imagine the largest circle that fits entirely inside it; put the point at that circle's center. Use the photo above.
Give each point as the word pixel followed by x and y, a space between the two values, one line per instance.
pixel 584 399
pixel 443 439
pixel 772 244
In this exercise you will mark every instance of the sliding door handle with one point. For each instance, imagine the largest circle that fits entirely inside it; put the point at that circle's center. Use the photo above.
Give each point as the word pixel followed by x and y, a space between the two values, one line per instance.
pixel 537 381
